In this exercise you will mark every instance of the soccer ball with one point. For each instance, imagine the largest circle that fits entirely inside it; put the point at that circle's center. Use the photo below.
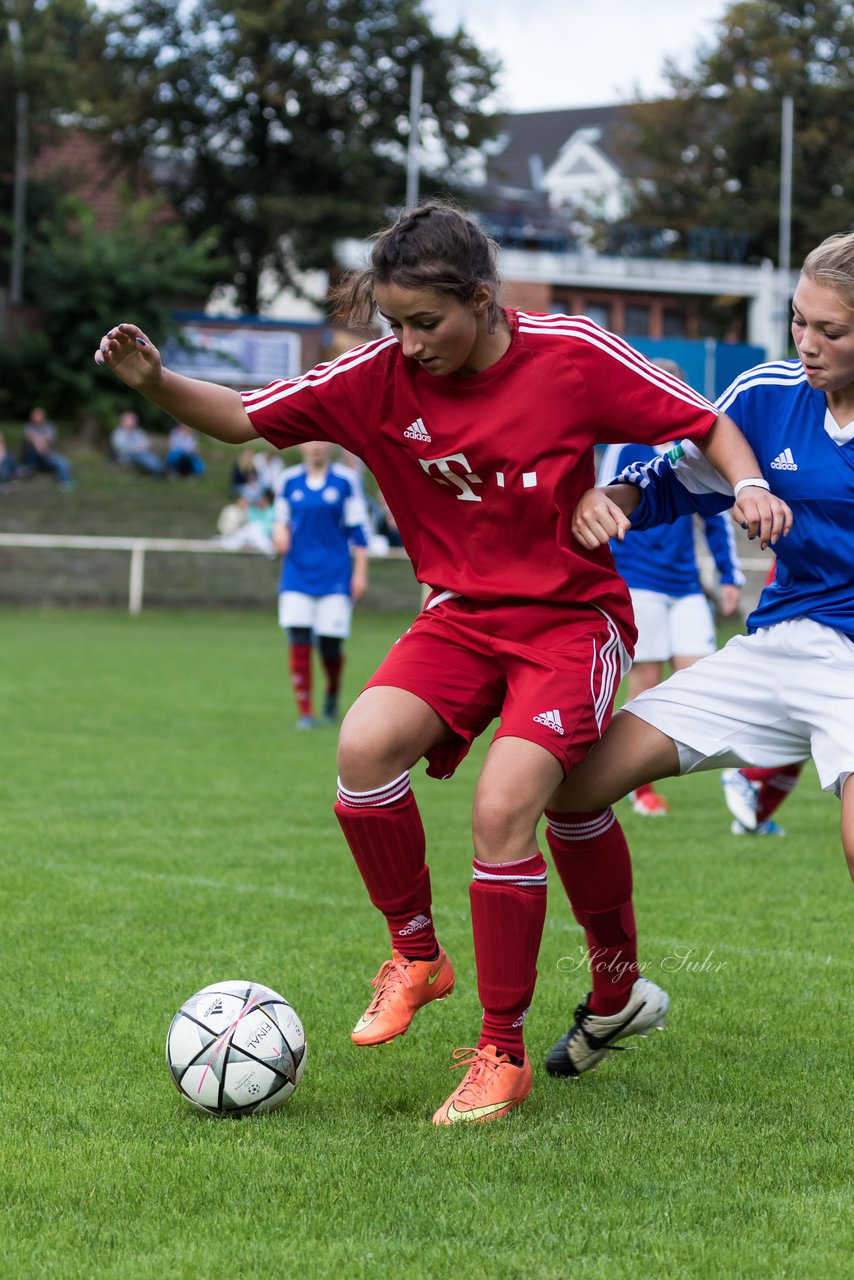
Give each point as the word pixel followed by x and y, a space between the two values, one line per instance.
pixel 235 1049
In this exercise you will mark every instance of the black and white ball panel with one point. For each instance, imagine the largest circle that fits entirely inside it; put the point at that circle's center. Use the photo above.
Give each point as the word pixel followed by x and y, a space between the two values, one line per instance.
pixel 236 1048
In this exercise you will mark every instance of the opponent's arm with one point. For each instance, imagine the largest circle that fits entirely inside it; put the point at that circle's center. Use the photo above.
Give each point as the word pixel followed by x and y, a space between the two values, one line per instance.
pixel 757 509
pixel 359 579
pixel 691 478
pixel 217 411
pixel 281 538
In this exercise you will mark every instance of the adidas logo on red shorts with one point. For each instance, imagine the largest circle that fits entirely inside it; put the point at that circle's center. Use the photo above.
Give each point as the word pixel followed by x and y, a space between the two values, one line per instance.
pixel 551 719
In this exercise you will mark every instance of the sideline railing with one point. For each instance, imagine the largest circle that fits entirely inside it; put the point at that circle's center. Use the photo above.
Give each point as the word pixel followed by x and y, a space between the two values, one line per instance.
pixel 138 548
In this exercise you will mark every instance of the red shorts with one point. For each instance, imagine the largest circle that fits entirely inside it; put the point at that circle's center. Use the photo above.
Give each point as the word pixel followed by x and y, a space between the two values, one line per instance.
pixel 548 671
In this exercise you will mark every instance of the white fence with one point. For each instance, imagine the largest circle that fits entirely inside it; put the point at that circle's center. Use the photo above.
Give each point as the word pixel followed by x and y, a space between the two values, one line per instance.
pixel 137 548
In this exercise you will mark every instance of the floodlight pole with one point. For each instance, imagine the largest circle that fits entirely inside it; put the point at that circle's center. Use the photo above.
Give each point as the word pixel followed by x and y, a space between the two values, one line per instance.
pixel 19 198
pixel 413 154
pixel 785 250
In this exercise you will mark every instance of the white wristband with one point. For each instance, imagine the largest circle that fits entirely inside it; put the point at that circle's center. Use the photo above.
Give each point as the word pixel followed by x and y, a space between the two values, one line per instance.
pixel 755 482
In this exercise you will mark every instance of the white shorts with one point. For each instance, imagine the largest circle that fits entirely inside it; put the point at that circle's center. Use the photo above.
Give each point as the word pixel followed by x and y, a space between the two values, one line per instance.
pixel 672 626
pixel 773 698
pixel 324 615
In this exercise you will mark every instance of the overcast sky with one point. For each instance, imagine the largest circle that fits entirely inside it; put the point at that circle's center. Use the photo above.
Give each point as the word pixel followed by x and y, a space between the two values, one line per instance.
pixel 578 53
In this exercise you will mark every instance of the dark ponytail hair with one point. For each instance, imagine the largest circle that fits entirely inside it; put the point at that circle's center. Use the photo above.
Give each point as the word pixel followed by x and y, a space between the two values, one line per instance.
pixel 434 246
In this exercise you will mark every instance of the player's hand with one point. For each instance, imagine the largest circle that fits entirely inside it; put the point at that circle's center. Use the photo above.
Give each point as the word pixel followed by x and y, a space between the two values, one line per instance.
pixel 730 599
pixel 131 355
pixel 597 520
pixel 763 515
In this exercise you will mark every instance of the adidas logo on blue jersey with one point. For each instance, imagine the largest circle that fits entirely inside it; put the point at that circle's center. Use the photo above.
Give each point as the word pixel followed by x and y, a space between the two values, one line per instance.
pixel 417 431
pixel 784 462
pixel 551 719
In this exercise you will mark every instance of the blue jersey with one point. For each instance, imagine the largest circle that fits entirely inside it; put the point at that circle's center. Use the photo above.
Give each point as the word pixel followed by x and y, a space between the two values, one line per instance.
pixel 325 520
pixel 664 559
pixel 809 462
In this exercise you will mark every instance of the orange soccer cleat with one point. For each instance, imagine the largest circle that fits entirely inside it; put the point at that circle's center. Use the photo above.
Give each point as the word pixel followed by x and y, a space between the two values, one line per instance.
pixel 401 988
pixel 493 1084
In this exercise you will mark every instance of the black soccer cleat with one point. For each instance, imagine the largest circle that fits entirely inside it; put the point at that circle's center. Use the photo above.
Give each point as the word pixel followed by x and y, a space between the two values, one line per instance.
pixel 591 1037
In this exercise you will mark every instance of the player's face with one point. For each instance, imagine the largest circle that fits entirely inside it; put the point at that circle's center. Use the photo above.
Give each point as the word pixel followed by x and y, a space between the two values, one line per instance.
pixel 441 333
pixel 316 453
pixel 823 330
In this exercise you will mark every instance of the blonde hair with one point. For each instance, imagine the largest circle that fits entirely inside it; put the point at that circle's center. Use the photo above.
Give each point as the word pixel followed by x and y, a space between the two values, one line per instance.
pixel 832 263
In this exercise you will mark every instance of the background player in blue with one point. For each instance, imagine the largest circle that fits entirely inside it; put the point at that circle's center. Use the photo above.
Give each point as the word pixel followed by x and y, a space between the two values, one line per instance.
pixel 674 619
pixel 785 691
pixel 320 529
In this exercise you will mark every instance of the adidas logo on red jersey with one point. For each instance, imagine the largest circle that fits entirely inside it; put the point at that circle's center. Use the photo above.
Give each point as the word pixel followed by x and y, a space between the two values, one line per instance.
pixel 417 431
pixel 551 719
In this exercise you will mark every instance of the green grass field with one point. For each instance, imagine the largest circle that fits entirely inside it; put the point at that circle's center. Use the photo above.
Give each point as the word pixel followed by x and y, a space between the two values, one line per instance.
pixel 162 827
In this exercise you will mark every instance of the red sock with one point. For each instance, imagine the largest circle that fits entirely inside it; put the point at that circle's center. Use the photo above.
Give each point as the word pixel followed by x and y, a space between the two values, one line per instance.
pixel 645 789
pixel 384 831
pixel 333 668
pixel 593 862
pixel 508 910
pixel 773 787
pixel 300 662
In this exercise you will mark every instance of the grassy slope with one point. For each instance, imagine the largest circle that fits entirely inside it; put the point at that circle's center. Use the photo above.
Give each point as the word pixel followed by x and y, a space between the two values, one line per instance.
pixel 162 827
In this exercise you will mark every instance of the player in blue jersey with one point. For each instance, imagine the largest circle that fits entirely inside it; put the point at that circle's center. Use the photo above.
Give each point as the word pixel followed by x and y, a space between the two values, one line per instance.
pixel 785 691
pixel 321 530
pixel 674 620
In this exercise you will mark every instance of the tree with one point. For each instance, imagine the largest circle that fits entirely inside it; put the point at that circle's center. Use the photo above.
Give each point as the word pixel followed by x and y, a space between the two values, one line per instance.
pixel 83 280
pixel 710 155
pixel 283 123
pixel 61 43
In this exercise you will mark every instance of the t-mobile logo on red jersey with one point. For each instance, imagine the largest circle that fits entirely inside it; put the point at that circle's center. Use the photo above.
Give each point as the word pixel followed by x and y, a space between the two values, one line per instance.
pixel 449 476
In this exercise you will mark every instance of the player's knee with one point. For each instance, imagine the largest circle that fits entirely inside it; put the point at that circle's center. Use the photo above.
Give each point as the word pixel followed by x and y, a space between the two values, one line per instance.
pixel 502 826
pixel 329 647
pixel 360 748
pixel 370 753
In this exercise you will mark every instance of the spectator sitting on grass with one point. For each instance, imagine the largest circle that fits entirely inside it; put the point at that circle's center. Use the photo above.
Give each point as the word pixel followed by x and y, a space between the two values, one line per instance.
pixel 255 532
pixel 245 482
pixel 132 447
pixel 183 455
pixel 38 452
pixel 270 468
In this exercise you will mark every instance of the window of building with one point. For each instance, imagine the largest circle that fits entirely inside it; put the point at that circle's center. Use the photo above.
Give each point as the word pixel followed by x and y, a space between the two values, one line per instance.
pixel 637 319
pixel 600 312
pixel 673 323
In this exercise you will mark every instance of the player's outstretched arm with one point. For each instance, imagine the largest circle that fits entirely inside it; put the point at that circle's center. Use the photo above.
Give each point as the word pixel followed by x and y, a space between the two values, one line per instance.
pixel 603 514
pixel 763 515
pixel 216 411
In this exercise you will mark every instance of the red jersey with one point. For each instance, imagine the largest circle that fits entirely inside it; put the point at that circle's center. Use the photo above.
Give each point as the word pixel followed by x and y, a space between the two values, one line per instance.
pixel 483 472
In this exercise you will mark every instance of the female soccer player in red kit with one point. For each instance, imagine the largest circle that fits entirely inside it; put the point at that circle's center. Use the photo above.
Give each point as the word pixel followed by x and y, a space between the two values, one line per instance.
pixel 479 423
